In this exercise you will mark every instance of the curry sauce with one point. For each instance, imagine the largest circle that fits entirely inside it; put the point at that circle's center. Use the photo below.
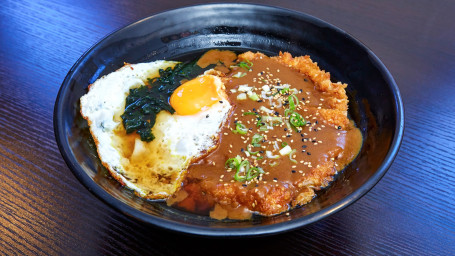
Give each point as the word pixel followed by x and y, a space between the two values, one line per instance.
pixel 291 161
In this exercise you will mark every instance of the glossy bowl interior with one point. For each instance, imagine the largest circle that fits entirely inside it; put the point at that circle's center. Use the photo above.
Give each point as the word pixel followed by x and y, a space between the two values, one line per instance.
pixel 375 103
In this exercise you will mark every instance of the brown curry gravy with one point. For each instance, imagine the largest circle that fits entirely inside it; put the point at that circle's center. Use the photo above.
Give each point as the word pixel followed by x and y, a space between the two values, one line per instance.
pixel 322 149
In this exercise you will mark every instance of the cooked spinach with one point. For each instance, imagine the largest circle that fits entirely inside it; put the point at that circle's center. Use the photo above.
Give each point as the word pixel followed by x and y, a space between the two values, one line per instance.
pixel 144 103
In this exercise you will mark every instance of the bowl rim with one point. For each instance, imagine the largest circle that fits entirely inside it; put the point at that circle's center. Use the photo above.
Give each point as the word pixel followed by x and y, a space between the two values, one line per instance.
pixel 269 229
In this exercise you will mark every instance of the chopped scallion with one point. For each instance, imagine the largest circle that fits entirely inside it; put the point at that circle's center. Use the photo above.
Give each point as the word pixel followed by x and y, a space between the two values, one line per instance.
pixel 240 129
pixel 284 91
pixel 241 96
pixel 251 152
pixel 243 167
pixel 272 164
pixel 245 64
pixel 239 75
pixel 253 172
pixel 291 156
pixel 253 96
pixel 233 163
pixel 285 151
pixel 297 120
pixel 256 140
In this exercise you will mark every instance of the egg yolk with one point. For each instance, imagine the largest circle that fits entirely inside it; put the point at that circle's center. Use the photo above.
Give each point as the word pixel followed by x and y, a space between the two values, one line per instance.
pixel 195 95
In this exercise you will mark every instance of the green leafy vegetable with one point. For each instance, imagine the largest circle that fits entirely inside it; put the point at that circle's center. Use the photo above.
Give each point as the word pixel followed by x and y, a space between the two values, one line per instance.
pixel 144 103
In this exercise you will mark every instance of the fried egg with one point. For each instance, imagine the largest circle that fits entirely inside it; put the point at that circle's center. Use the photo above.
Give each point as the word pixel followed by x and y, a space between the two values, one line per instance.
pixel 155 169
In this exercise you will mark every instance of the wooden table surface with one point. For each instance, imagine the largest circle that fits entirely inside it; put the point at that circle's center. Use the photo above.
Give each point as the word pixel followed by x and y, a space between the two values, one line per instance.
pixel 44 209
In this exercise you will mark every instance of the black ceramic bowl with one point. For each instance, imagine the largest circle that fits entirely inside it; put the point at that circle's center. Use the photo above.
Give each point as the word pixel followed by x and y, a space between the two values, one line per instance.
pixel 375 103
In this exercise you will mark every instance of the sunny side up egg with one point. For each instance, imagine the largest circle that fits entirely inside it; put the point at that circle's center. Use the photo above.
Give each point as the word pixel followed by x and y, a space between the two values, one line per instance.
pixel 154 169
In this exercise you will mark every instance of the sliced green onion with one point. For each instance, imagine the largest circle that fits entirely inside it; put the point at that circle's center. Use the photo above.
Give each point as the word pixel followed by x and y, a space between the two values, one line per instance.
pixel 263 128
pixel 243 167
pixel 266 88
pixel 255 141
pixel 239 75
pixel 287 112
pixel 241 96
pixel 291 156
pixel 273 119
pixel 253 96
pixel 294 97
pixel 285 151
pixel 244 88
pixel 284 144
pixel 250 113
pixel 262 108
pixel 253 172
pixel 233 163
pixel 240 129
pixel 270 155
pixel 272 164
pixel 284 91
pixel 251 152
pixel 245 64
pixel 289 126
pixel 297 119
pixel 259 123
pixel 291 103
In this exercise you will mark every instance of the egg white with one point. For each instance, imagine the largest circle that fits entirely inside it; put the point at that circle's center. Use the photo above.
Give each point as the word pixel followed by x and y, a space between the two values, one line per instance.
pixel 152 169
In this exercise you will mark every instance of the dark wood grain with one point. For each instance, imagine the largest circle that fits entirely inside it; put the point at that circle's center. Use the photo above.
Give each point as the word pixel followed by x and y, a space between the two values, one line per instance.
pixel 44 210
